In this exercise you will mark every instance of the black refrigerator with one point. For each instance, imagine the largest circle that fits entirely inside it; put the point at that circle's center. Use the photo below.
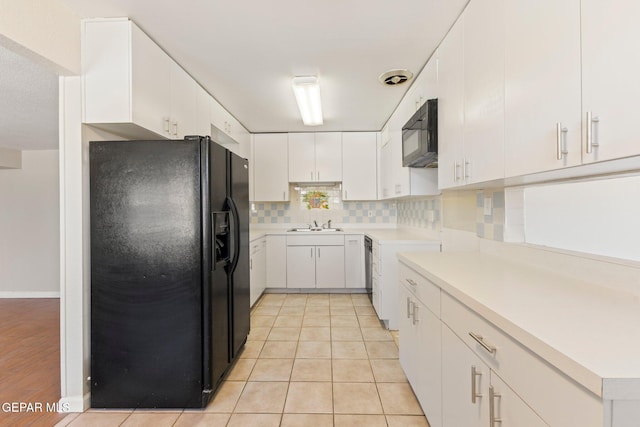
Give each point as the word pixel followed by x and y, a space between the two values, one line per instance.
pixel 169 270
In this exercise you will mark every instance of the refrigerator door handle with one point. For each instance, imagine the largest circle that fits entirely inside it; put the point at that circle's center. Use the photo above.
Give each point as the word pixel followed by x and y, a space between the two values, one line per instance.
pixel 234 238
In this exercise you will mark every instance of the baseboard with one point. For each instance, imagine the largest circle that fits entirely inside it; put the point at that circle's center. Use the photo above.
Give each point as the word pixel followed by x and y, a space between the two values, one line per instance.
pixel 34 294
pixel 74 403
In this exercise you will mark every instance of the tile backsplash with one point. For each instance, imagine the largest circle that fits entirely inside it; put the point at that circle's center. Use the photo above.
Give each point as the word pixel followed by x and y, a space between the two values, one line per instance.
pixel 298 211
pixel 490 221
pixel 422 212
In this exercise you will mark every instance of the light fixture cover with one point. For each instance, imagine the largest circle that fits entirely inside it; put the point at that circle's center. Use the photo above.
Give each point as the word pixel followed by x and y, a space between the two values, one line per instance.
pixel 307 92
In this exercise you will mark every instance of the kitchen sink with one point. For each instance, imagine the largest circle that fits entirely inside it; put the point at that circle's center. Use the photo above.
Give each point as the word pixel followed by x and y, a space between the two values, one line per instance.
pixel 315 229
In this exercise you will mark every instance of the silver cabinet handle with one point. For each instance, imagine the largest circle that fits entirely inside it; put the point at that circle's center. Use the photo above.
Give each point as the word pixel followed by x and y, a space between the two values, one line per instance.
pixel 492 407
pixel 411 282
pixel 456 167
pixel 311 252
pixel 175 128
pixel 591 142
pixel 408 307
pixel 166 124
pixel 318 175
pixel 474 391
pixel 416 319
pixel 284 197
pixel 561 140
pixel 491 349
pixel 318 252
pixel 466 167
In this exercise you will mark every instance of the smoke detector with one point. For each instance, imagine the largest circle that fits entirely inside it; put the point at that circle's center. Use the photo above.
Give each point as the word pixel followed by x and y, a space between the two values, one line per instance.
pixel 395 77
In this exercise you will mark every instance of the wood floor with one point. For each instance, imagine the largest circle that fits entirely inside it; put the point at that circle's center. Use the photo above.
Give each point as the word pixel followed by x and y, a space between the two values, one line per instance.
pixel 29 359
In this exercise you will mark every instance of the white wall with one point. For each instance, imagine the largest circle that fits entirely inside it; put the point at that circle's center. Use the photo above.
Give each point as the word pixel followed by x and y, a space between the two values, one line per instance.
pixel 43 30
pixel 29 227
pixel 598 216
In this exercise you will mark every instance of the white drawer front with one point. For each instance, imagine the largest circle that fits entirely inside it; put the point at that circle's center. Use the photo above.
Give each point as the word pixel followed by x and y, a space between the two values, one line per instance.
pixel 538 383
pixel 313 240
pixel 423 289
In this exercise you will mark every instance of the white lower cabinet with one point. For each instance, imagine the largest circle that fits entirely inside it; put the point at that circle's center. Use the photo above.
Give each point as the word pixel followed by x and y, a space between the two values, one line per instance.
pixel 466 372
pixel 257 269
pixel 330 267
pixel 354 275
pixel 474 395
pixel 301 266
pixel 465 384
pixel 385 275
pixel 315 261
pixel 276 269
pixel 420 356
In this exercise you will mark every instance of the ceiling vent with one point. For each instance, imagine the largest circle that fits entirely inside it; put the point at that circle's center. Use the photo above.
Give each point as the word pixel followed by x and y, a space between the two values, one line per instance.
pixel 395 77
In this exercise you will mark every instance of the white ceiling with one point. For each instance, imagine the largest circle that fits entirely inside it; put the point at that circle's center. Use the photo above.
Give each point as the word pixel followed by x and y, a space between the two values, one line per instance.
pixel 245 52
pixel 28 104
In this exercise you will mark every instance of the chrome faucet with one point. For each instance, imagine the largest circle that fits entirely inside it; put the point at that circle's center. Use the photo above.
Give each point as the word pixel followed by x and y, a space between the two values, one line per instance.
pixel 316 223
pixel 328 225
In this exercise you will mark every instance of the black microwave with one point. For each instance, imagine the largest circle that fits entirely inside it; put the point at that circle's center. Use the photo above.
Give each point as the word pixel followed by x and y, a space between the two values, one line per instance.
pixel 420 137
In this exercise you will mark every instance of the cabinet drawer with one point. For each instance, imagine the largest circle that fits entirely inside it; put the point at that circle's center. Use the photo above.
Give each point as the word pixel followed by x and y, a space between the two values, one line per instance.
pixel 423 289
pixel 536 382
pixel 312 240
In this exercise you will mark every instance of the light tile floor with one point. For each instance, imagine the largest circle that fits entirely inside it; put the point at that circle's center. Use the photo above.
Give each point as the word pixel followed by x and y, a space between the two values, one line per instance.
pixel 311 360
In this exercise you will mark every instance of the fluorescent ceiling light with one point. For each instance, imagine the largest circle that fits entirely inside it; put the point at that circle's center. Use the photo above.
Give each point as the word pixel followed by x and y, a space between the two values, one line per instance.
pixel 307 91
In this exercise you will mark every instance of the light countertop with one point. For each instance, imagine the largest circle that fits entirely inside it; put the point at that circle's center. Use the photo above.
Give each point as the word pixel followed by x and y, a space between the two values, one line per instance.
pixel 394 234
pixel 589 332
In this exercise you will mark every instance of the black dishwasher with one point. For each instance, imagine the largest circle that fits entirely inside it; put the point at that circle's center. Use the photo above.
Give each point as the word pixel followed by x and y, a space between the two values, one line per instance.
pixel 368 265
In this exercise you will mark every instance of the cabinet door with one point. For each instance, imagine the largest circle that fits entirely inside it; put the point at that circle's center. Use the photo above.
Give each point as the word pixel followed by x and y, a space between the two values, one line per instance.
pixel 428 362
pixel 354 261
pixel 407 337
pixel 257 270
pixel 458 382
pixel 203 112
pixel 484 90
pixel 386 171
pixel 359 157
pixel 508 407
pixel 150 84
pixel 451 106
pixel 276 260
pixel 183 103
pixel 330 267
pixel 301 266
pixel 302 157
pixel 271 181
pixel 610 70
pixel 329 156
pixel 542 85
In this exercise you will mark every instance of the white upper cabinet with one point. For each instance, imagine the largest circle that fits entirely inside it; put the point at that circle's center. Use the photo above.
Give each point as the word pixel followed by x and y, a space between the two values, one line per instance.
pixel 542 85
pixel 329 156
pixel 126 79
pixel 270 171
pixel 203 112
pixel 359 159
pixel 131 86
pixel 610 70
pixel 302 157
pixel 451 107
pixel 315 157
pixel 483 91
pixel 183 103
